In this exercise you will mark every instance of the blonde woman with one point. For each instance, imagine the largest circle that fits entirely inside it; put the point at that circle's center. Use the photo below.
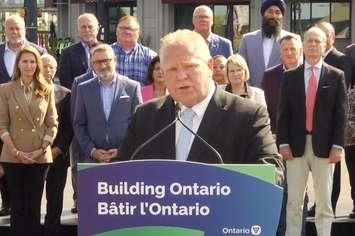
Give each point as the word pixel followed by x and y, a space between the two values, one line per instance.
pixel 238 75
pixel 28 125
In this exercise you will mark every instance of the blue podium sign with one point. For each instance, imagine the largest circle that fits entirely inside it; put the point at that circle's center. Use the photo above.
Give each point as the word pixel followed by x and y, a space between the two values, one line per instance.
pixel 158 197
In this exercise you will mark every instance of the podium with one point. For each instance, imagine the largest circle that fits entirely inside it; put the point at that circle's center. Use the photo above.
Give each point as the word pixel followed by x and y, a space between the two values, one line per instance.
pixel 166 197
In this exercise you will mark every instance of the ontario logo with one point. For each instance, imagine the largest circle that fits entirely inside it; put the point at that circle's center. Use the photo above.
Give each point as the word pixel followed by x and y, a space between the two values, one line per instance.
pixel 255 230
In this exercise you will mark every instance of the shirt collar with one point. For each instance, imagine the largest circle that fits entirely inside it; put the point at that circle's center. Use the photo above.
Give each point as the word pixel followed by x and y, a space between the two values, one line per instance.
pixel 7 48
pixel 23 85
pixel 201 107
pixel 327 52
pixel 113 82
pixel 129 51
pixel 318 65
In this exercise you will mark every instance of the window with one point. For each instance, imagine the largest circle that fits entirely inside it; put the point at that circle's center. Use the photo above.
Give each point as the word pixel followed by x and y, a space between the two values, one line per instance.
pixel 230 21
pixel 336 12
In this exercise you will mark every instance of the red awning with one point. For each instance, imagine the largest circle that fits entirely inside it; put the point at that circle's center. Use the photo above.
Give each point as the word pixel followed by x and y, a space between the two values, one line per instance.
pixel 205 1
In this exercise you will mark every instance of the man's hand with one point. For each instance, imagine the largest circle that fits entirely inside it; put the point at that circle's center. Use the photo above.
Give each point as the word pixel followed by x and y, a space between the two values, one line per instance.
pixel 100 155
pixel 56 152
pixel 286 153
pixel 335 154
pixel 111 153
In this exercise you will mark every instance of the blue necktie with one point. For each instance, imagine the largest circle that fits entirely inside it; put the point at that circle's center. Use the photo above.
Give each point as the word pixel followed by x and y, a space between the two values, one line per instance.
pixel 182 146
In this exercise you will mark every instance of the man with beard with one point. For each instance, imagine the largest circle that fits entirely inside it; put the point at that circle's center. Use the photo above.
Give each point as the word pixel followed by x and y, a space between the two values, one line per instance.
pixel 15 33
pixel 260 48
pixel 104 108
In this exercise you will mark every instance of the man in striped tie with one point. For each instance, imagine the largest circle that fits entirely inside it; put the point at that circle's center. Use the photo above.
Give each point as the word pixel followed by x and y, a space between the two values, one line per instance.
pixel 311 131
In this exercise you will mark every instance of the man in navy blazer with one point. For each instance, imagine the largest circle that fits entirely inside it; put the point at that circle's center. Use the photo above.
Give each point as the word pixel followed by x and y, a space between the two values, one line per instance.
pixel 104 108
pixel 74 60
pixel 15 33
pixel 203 21
pixel 290 54
pixel 311 127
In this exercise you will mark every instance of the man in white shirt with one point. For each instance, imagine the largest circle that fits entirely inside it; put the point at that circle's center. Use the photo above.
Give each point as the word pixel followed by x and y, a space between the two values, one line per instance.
pixel 260 48
pixel 236 127
pixel 311 131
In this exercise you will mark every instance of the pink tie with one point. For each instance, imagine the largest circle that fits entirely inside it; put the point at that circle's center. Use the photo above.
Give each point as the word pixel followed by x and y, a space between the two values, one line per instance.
pixel 311 99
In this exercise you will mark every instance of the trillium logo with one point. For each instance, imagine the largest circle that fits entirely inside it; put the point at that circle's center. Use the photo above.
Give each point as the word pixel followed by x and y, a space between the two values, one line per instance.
pixel 255 230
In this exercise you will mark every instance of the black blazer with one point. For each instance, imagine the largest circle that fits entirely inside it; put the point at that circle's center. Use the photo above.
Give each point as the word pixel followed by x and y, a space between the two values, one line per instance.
pixel 236 127
pixel 4 76
pixel 271 84
pixel 350 53
pixel 65 129
pixel 328 117
pixel 73 62
pixel 340 61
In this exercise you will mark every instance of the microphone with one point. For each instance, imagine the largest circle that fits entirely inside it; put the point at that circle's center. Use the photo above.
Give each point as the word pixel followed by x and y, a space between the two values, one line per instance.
pixel 140 147
pixel 178 118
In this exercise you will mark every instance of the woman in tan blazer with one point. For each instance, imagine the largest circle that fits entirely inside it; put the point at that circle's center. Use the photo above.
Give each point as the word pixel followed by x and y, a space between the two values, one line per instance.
pixel 28 126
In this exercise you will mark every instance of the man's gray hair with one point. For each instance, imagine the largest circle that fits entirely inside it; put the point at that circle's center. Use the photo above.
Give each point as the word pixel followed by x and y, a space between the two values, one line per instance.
pixel 193 41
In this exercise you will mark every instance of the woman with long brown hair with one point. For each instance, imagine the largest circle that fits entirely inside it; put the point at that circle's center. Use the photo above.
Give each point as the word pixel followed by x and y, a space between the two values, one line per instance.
pixel 28 125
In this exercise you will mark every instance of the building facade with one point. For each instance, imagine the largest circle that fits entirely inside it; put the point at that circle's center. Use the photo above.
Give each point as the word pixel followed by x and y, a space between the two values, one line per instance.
pixel 232 18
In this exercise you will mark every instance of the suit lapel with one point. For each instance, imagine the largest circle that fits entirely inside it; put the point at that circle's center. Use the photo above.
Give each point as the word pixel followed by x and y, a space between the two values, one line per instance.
pixel 260 50
pixel 214 115
pixel 116 99
pixel 165 115
pixel 96 94
pixel 22 102
pixel 275 54
pixel 82 54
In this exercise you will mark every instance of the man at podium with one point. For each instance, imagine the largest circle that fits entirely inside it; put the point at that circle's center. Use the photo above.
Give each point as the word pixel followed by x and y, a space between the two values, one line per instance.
pixel 237 128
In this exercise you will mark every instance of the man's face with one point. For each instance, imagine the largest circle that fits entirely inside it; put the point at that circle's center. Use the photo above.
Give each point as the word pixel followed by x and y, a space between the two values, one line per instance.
pixel 104 63
pixel 273 12
pixel 330 37
pixel 88 30
pixel 202 20
pixel 272 21
pixel 127 32
pixel 187 76
pixel 290 52
pixel 15 32
pixel 49 69
pixel 313 45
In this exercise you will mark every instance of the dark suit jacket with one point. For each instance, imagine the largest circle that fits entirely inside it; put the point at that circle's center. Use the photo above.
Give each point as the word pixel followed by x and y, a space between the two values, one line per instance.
pixel 329 111
pixel 90 125
pixel 350 53
pixel 4 75
pixel 65 128
pixel 271 85
pixel 78 80
pixel 340 61
pixel 73 62
pixel 236 127
pixel 220 46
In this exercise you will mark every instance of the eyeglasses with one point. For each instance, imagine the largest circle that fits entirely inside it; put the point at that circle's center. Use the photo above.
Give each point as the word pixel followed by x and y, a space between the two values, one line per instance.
pixel 103 61
pixel 123 28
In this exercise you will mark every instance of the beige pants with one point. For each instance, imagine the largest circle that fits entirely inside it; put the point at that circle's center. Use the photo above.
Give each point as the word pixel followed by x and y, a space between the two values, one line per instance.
pixel 297 176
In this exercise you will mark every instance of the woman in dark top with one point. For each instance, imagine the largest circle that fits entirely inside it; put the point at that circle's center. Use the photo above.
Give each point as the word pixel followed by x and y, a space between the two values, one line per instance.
pixel 57 174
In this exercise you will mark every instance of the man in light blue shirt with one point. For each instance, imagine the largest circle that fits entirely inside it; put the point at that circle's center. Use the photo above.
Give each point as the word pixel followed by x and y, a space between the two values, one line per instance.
pixel 104 108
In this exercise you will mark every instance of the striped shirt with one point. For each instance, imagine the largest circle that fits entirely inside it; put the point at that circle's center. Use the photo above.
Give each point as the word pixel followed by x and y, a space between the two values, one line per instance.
pixel 133 64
